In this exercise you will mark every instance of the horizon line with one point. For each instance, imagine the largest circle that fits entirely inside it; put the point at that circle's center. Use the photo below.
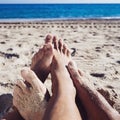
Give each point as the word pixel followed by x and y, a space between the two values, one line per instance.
pixel 65 3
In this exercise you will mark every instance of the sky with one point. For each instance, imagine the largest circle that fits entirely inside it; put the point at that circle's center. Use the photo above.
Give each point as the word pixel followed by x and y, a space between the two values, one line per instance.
pixel 59 1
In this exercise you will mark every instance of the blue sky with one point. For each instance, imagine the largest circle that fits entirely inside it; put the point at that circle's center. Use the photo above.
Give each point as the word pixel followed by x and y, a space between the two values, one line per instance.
pixel 59 1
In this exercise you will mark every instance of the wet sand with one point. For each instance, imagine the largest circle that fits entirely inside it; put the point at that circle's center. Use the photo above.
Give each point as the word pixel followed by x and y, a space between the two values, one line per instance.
pixel 96 44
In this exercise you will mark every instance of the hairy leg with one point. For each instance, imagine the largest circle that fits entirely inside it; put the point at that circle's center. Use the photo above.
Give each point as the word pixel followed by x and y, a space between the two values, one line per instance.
pixel 96 106
pixel 62 103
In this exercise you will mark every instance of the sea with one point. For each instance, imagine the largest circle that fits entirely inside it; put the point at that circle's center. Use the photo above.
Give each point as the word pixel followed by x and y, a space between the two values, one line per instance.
pixel 59 11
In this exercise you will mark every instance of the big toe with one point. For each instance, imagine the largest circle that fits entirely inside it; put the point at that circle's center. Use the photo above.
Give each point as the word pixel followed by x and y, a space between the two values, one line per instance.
pixel 48 39
pixel 31 78
pixel 48 49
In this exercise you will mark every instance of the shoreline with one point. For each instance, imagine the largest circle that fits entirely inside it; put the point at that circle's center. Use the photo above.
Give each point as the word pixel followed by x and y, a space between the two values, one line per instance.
pixel 58 19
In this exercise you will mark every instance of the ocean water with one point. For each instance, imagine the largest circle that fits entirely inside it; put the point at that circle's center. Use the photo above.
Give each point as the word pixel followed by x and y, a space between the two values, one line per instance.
pixel 59 11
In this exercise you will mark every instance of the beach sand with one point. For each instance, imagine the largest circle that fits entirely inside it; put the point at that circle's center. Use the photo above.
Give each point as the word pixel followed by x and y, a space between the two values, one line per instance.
pixel 97 45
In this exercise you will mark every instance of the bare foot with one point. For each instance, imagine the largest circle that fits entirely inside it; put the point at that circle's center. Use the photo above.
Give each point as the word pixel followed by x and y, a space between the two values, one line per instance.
pixel 62 103
pixel 30 101
pixel 42 59
pixel 95 105
pixel 59 73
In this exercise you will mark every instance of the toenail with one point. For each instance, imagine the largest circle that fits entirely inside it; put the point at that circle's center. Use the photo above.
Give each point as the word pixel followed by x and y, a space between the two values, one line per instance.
pixel 70 64
pixel 48 37
pixel 54 38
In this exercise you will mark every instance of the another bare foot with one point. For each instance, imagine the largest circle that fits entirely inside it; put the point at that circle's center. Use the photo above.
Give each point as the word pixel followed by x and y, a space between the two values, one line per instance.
pixel 62 103
pixel 30 101
pixel 41 66
pixel 59 72
pixel 95 105
pixel 42 59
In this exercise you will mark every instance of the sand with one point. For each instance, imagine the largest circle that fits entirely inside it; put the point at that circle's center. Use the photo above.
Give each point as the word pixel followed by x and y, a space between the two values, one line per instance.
pixel 97 45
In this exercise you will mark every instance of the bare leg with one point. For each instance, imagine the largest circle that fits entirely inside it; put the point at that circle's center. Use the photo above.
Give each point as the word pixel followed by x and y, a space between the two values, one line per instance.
pixel 96 106
pixel 30 102
pixel 62 103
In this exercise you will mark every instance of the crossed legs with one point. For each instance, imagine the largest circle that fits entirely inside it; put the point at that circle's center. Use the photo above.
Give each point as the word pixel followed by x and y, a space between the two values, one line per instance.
pixel 29 95
pixel 62 103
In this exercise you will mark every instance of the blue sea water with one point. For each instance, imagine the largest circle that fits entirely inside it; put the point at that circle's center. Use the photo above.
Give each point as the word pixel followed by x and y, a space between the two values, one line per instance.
pixel 59 11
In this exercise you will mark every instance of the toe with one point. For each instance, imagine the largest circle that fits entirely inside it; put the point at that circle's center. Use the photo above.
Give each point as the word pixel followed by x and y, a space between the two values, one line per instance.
pixel 72 65
pixel 23 86
pixel 64 49
pixel 73 71
pixel 16 99
pixel 68 53
pixel 36 58
pixel 29 76
pixel 60 45
pixel 18 90
pixel 48 49
pixel 72 68
pixel 48 39
pixel 16 96
pixel 55 42
pixel 33 80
